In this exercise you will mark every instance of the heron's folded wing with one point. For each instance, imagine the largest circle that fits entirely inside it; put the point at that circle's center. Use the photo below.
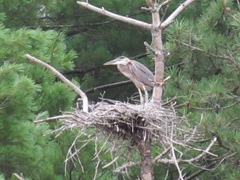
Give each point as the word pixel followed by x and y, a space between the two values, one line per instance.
pixel 142 74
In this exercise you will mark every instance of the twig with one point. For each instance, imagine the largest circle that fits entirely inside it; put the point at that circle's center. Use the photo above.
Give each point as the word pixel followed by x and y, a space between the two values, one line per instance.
pixel 110 163
pixel 202 154
pixel 19 177
pixel 161 155
pixel 126 165
pixel 174 156
pixel 70 155
pixel 164 3
pixel 107 86
pixel 65 80
pixel 115 16
pixel 98 158
pixel 150 48
pixel 214 163
pixel 171 18
pixel 53 118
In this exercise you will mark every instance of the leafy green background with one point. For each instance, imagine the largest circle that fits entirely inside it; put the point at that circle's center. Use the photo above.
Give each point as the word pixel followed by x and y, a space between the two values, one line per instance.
pixel 204 60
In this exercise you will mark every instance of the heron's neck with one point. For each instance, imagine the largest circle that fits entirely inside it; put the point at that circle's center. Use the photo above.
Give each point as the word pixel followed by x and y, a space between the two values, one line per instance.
pixel 126 62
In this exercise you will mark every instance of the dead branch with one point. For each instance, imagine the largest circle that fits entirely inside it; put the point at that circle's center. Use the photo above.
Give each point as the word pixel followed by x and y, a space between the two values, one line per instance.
pixel 174 156
pixel 126 166
pixel 115 16
pixel 108 86
pixel 113 161
pixel 171 18
pixel 203 153
pixel 19 177
pixel 53 118
pixel 164 3
pixel 65 80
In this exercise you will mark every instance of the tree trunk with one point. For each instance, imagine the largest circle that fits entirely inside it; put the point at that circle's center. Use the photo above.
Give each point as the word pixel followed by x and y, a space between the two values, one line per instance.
pixel 144 148
pixel 157 46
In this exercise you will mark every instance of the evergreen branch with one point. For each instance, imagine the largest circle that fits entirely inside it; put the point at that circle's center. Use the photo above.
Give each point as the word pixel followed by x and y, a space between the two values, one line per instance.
pixel 193 48
pixel 234 17
pixel 233 121
pixel 171 18
pixel 115 16
pixel 62 78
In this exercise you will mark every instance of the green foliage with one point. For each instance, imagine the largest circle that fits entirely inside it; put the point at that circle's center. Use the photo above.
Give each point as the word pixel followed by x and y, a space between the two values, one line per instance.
pixel 203 64
pixel 25 90
pixel 204 70
pixel 23 144
pixel 47 46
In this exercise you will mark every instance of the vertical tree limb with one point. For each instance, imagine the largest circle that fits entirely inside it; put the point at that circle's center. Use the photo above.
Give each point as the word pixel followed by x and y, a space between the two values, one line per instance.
pixel 144 148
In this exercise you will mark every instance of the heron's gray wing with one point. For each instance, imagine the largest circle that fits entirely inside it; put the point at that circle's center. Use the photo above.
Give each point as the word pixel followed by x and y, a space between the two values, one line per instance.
pixel 141 74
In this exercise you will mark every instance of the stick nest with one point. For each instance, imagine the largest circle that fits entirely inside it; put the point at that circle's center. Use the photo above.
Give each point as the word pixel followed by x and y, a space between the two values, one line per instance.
pixel 124 126
pixel 131 122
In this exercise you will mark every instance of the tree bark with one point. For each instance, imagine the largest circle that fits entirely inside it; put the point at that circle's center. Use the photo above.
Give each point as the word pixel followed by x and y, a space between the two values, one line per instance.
pixel 157 46
pixel 144 148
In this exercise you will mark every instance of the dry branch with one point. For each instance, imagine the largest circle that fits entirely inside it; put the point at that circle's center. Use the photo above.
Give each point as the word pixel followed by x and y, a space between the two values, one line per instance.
pixel 171 18
pixel 115 16
pixel 108 86
pixel 65 80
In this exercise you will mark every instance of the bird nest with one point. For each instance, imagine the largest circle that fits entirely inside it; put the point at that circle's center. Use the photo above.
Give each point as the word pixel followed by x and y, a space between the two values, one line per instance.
pixel 131 122
pixel 119 126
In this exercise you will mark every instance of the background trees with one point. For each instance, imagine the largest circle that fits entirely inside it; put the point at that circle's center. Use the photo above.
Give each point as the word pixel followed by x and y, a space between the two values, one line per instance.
pixel 203 64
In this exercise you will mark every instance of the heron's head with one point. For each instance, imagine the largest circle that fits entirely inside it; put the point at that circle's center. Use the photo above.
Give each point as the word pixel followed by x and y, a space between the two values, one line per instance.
pixel 119 60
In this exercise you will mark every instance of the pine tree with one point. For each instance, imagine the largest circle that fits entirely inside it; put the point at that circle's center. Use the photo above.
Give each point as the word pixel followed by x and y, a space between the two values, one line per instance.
pixel 204 66
pixel 28 92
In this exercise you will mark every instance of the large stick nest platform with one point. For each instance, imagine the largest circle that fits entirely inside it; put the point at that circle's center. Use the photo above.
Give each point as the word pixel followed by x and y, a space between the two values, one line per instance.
pixel 132 122
pixel 117 123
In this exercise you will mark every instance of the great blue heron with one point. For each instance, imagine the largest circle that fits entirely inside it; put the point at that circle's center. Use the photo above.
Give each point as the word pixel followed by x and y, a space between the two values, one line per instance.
pixel 139 74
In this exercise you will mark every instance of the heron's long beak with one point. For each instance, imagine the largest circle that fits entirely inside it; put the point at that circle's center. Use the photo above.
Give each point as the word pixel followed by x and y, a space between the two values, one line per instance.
pixel 112 62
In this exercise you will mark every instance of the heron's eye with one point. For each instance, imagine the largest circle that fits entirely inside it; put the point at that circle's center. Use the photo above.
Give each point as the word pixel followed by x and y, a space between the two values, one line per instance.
pixel 121 57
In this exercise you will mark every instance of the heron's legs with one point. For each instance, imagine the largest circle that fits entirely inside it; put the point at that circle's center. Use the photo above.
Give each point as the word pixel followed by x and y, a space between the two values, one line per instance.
pixel 145 94
pixel 141 96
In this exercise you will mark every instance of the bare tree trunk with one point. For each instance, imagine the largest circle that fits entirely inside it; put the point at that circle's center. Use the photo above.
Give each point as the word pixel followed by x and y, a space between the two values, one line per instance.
pixel 144 148
pixel 157 47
